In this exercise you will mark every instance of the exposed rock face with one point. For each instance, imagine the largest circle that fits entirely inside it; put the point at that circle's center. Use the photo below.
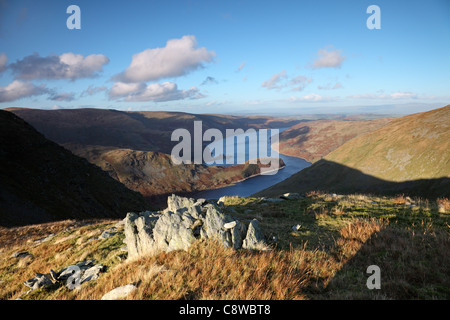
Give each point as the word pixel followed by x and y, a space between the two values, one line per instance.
pixel 184 221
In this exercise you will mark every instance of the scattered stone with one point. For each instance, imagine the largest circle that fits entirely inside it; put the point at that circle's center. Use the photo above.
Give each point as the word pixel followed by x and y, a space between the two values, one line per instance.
pixel 254 237
pixel 120 292
pixel 39 281
pixel 107 234
pixel 297 227
pixel 92 273
pixel 291 196
pixel 21 254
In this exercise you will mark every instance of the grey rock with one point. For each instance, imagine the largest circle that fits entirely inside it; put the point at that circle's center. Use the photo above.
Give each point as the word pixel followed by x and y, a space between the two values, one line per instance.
pixel 297 227
pixel 107 234
pixel 39 281
pixel 173 231
pixel 120 292
pixel 254 237
pixel 183 222
pixel 92 273
pixel 21 254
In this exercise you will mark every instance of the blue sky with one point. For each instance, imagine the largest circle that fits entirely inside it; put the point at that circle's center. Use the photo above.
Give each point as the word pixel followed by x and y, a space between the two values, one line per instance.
pixel 226 56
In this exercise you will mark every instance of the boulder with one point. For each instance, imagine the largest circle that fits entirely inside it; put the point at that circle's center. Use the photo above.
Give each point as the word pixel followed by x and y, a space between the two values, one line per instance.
pixel 119 293
pixel 183 222
pixel 39 281
pixel 254 238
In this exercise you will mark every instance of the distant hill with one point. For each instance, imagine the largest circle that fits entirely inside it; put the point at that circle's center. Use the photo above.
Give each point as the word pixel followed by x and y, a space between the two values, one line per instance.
pixel 41 181
pixel 409 155
pixel 312 140
pixel 134 147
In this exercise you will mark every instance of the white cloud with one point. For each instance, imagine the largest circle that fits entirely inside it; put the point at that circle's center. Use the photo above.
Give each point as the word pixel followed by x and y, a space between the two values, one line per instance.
pixel 66 66
pixel 281 80
pixel 300 82
pixel 273 82
pixel 395 95
pixel 177 58
pixel 121 89
pixel 328 58
pixel 3 60
pixel 329 86
pixel 19 89
pixel 313 97
pixel 157 92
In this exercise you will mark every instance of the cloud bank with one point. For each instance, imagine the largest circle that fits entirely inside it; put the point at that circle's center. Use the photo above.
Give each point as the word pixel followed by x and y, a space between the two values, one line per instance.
pixel 157 92
pixel 66 66
pixel 19 89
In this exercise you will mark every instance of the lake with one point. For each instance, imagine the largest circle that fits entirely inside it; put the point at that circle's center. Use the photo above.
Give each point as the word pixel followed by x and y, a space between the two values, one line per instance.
pixel 252 185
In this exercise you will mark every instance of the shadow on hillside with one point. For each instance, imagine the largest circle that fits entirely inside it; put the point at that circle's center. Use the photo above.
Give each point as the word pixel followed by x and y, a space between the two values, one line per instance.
pixel 413 265
pixel 332 177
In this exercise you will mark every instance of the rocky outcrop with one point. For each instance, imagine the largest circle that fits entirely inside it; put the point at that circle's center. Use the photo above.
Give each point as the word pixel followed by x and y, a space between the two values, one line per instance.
pixel 183 222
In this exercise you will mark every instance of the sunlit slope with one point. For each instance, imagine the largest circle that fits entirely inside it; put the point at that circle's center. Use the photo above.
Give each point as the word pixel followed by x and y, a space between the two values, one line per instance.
pixel 409 148
pixel 409 155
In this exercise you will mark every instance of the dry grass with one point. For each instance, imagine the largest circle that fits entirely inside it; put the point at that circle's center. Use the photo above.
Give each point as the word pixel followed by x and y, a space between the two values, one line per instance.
pixel 326 258
pixel 443 204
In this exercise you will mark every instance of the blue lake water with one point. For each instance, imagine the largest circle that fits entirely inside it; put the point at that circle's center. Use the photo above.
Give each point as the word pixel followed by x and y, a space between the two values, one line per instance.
pixel 252 185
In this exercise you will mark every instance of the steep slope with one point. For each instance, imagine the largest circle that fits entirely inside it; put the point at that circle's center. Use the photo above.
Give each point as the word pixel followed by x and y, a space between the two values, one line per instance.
pixel 154 174
pixel 133 147
pixel 41 181
pixel 312 140
pixel 409 155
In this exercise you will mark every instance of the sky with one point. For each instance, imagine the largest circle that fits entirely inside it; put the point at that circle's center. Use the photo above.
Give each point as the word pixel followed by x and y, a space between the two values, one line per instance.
pixel 252 57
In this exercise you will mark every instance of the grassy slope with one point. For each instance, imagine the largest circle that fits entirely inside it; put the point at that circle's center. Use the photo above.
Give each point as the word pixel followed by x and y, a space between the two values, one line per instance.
pixel 409 155
pixel 41 181
pixel 312 140
pixel 409 148
pixel 326 259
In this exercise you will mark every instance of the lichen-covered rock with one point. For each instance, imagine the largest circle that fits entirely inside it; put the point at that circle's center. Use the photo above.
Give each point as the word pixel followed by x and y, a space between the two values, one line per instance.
pixel 183 222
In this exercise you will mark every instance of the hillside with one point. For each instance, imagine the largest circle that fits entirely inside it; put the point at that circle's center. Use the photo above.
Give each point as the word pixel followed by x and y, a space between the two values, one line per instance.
pixel 409 155
pixel 312 140
pixel 134 147
pixel 154 175
pixel 41 181
pixel 325 256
